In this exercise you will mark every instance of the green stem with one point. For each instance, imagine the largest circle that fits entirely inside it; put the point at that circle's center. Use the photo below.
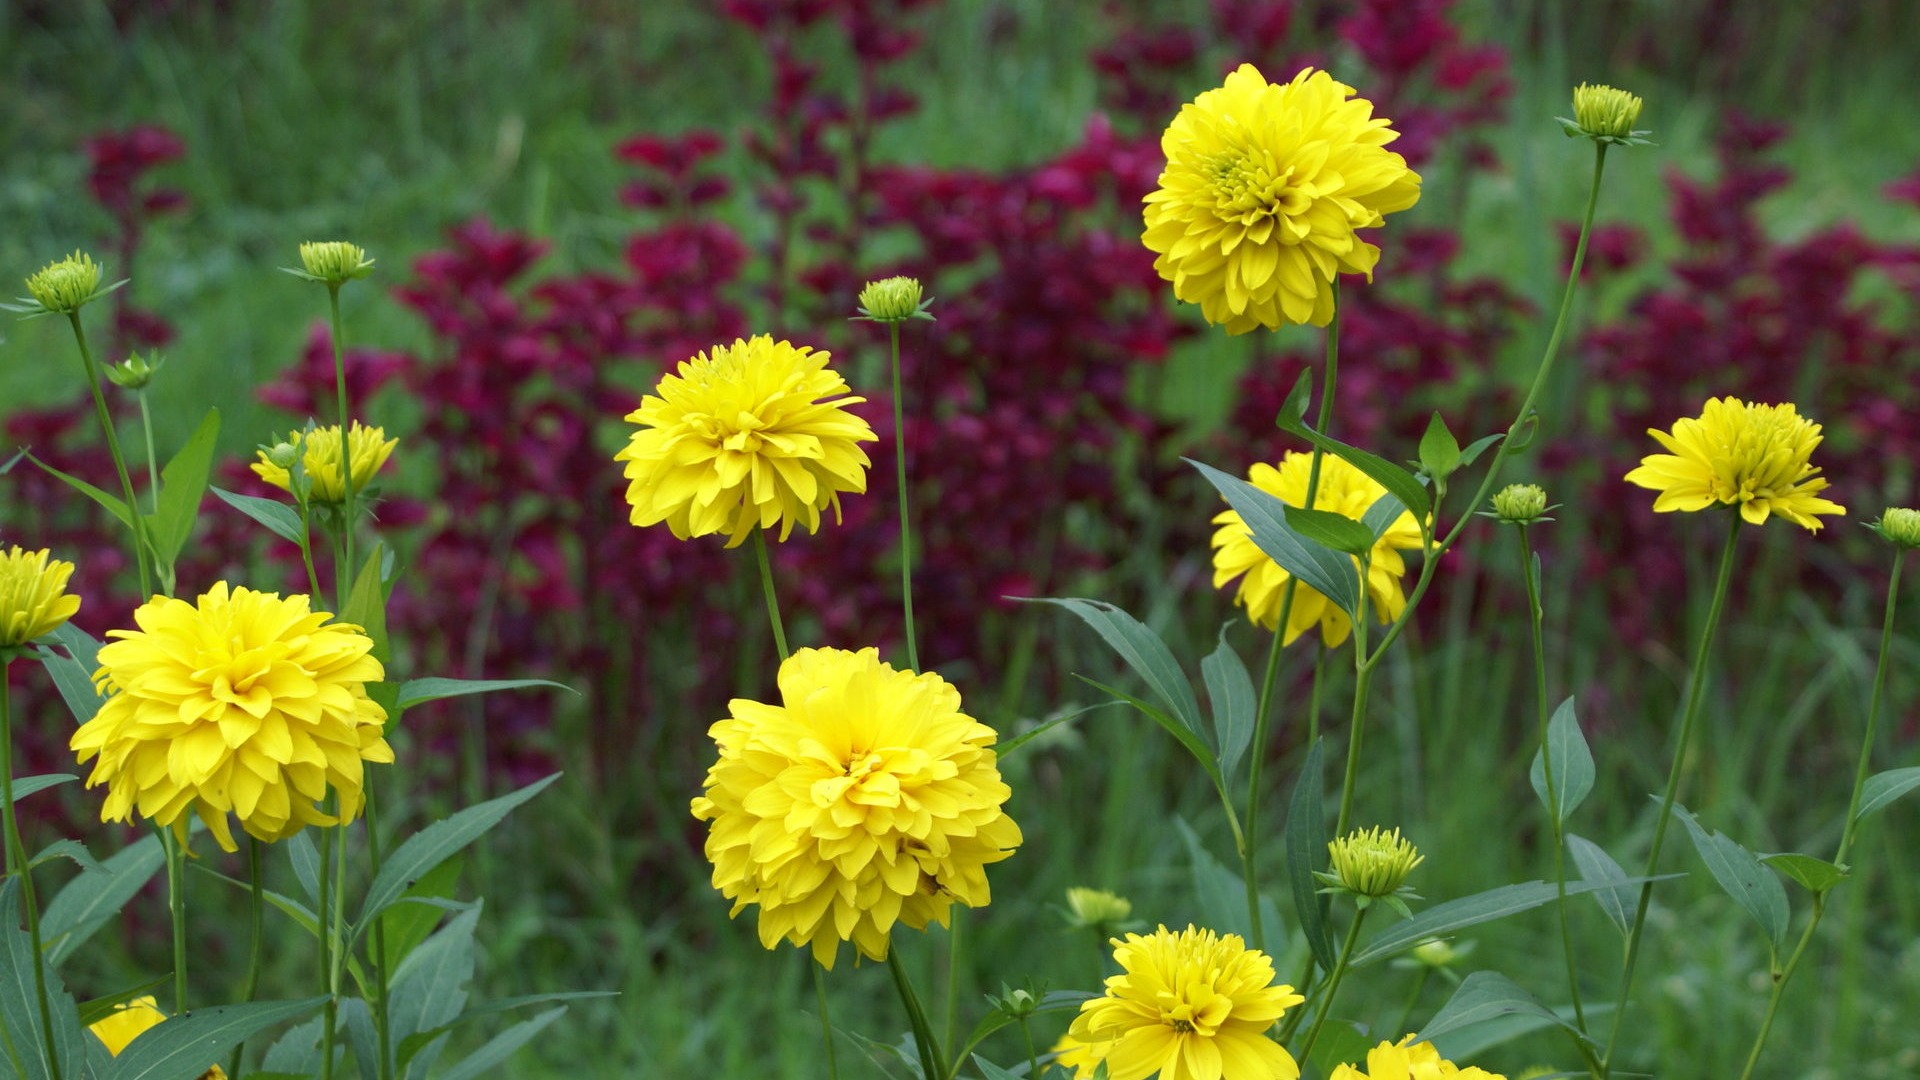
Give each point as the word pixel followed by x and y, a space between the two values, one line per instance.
pixel 256 906
pixel 1333 983
pixel 1033 1059
pixel 773 598
pixel 382 1025
pixel 177 907
pixel 1780 985
pixel 906 522
pixel 343 574
pixel 826 1024
pixel 1696 691
pixel 951 1028
pixel 1362 683
pixel 136 522
pixel 16 862
pixel 153 459
pixel 329 1014
pixel 930 1056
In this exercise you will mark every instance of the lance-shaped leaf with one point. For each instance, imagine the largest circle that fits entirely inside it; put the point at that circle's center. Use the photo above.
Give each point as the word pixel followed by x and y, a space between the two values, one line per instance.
pixel 418 691
pixel 183 483
pixel 279 518
pixel 1404 485
pixel 89 901
pixel 436 843
pixel 1742 877
pixel 1814 874
pixel 1331 573
pixel 184 1047
pixel 1572 765
pixel 1495 903
pixel 1611 889
pixel 1143 651
pixel 1483 996
pixel 1883 788
pixel 1230 690
pixel 20 1028
pixel 1306 846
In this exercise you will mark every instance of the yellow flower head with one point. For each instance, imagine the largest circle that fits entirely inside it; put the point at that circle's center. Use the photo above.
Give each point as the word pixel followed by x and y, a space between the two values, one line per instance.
pixel 245 703
pixel 1074 1056
pixel 131 1019
pixel 865 798
pixel 1097 907
pixel 320 457
pixel 1264 189
pixel 1605 113
pixel 1189 1006
pixel 33 595
pixel 1408 1060
pixel 62 287
pixel 1372 862
pixel 1736 453
pixel 746 435
pixel 334 262
pixel 1343 490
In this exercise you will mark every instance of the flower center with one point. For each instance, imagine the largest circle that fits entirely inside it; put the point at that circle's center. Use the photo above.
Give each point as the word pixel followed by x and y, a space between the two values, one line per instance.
pixel 1194 1017
pixel 1764 461
pixel 1250 185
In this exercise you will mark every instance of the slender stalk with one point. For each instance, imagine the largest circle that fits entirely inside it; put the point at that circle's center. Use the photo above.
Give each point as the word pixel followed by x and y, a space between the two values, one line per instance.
pixel 255 919
pixel 329 1014
pixel 1362 683
pixel 153 459
pixel 773 598
pixel 382 1024
pixel 343 574
pixel 16 862
pixel 826 1024
pixel 1033 1059
pixel 906 519
pixel 930 1055
pixel 1333 983
pixel 1696 692
pixel 136 523
pixel 177 907
pixel 951 1028
pixel 1850 829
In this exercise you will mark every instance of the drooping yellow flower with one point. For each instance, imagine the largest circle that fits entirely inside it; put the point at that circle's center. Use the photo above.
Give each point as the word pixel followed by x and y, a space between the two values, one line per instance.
pixel 865 798
pixel 33 595
pixel 1737 453
pixel 245 704
pixel 131 1019
pixel 1408 1060
pixel 320 457
pixel 1188 1006
pixel 745 436
pixel 1264 189
pixel 1343 490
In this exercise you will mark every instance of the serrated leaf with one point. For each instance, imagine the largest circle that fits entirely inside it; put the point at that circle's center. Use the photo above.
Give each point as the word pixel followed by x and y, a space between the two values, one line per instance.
pixel 68 849
pixel 436 843
pixel 1572 764
pixel 1483 996
pixel 183 483
pixel 1306 844
pixel 418 691
pixel 1816 875
pixel 1742 877
pixel 183 1047
pixel 1439 450
pixel 29 785
pixel 1616 899
pixel 495 1051
pixel 279 518
pixel 20 1027
pixel 1330 573
pixel 1331 530
pixel 1142 649
pixel 1230 691
pixel 1403 484
pixel 90 900
pixel 1883 788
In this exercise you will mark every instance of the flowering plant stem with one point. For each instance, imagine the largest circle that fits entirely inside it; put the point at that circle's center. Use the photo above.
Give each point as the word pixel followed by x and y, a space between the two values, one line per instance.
pixel 1334 978
pixel 164 573
pixel 1696 692
pixel 343 574
pixel 16 862
pixel 137 524
pixel 1848 831
pixel 930 1055
pixel 906 518
pixel 255 919
pixel 175 849
pixel 1535 618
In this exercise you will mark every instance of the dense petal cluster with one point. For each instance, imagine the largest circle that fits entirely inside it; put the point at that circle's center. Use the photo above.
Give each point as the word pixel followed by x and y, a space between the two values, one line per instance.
pixel 62 287
pixel 745 436
pixel 1604 112
pixel 334 262
pixel 320 458
pixel 1344 490
pixel 864 798
pixel 1265 188
pixel 245 704
pixel 33 595
pixel 1191 1005
pixel 1408 1060
pixel 1372 862
pixel 131 1019
pixel 1736 453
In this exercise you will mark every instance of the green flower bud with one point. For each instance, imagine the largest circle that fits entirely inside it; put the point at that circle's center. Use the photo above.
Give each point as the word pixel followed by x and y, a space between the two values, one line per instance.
pixel 283 455
pixel 334 262
pixel 1520 504
pixel 1900 526
pixel 1605 115
pixel 135 372
pixel 62 287
pixel 1372 863
pixel 893 300
pixel 1097 907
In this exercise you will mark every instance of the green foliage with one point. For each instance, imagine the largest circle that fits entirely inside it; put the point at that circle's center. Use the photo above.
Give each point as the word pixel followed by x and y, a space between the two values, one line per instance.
pixel 1271 524
pixel 1572 765
pixel 1742 876
pixel 181 1047
pixel 25 1039
pixel 437 843
pixel 183 483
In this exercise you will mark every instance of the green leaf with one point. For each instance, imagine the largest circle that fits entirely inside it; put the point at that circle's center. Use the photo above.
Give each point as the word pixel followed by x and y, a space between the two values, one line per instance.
pixel 429 990
pixel 1742 877
pixel 1883 788
pixel 112 503
pixel 1382 514
pixel 279 518
pixel 1143 651
pixel 1572 764
pixel 1050 1002
pixel 495 1051
pixel 1306 846
pixel 73 673
pixel 1330 573
pixel 1616 898
pixel 1221 893
pixel 90 1012
pixel 1331 530
pixel 419 691
pixel 20 1026
pixel 68 849
pixel 28 785
pixel 1003 749
pixel 1495 903
pixel 990 1071
pixel 297 1053
pixel 1188 738
pixel 1483 996
pixel 1479 446
pixel 1439 450
pixel 183 1047
pixel 405 926
pixel 1230 690
pixel 1403 484
pixel 305 858
pixel 1341 1042
pixel 1816 875
pixel 183 483
pixel 96 896
pixel 436 843
pixel 83 647
pixel 367 606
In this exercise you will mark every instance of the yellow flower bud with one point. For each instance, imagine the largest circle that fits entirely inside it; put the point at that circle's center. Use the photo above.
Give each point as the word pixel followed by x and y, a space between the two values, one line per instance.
pixel 1900 526
pixel 893 300
pixel 334 262
pixel 33 595
pixel 1520 504
pixel 1097 907
pixel 1605 115
pixel 1372 863
pixel 62 287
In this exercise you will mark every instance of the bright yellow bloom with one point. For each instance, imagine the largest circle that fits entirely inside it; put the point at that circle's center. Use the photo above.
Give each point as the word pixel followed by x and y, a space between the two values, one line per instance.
pixel 1264 189
pixel 33 595
pixel 748 435
pixel 320 456
pixel 1407 1060
pixel 247 704
pixel 1343 490
pixel 1188 1006
pixel 131 1019
pixel 1736 453
pixel 865 798
pixel 1074 1056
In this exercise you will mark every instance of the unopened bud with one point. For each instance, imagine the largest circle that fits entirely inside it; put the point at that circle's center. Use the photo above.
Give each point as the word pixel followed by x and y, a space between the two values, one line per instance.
pixel 135 372
pixel 1900 526
pixel 62 287
pixel 1605 115
pixel 334 262
pixel 1520 504
pixel 893 300
pixel 1372 862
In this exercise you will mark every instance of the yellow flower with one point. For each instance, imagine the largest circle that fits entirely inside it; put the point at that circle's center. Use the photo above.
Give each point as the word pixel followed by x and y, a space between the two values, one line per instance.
pixel 320 456
pixel 748 435
pixel 131 1019
pixel 33 595
pixel 1343 490
pixel 1736 453
pixel 1075 1057
pixel 1188 1006
pixel 1264 189
pixel 1407 1060
pixel 246 704
pixel 865 798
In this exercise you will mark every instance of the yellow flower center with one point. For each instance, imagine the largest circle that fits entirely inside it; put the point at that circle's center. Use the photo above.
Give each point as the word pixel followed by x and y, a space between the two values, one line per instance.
pixel 1765 460
pixel 1248 184
pixel 1201 1018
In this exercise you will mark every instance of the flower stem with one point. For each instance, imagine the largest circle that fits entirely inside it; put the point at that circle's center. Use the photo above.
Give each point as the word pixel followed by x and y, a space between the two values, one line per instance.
pixel 826 1024
pixel 1362 683
pixel 343 574
pixel 16 862
pixel 1696 691
pixel 135 522
pixel 906 520
pixel 175 846
pixel 930 1056
pixel 1033 1059
pixel 164 573
pixel 329 1012
pixel 1333 983
pixel 773 598
pixel 255 917
pixel 382 1025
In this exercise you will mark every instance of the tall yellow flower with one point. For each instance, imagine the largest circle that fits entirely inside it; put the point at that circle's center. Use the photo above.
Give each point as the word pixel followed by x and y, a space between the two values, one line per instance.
pixel 748 435
pixel 1408 1060
pixel 1737 453
pixel 1188 1006
pixel 128 1021
pixel 865 798
pixel 33 595
pixel 245 703
pixel 1265 188
pixel 1343 490
pixel 320 457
